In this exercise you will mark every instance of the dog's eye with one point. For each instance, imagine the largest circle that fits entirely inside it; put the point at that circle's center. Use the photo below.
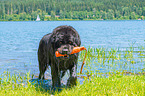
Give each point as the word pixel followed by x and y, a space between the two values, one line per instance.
pixel 70 42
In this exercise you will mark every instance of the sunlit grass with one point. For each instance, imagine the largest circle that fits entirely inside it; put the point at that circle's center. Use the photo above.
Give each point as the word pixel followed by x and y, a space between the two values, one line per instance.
pixel 114 72
pixel 113 85
pixel 116 85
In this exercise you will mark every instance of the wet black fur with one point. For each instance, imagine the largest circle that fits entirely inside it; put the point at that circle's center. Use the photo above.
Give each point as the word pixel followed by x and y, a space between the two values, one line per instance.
pixel 62 39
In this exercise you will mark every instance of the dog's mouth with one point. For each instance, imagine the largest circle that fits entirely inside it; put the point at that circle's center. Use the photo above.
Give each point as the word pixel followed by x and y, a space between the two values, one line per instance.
pixel 65 57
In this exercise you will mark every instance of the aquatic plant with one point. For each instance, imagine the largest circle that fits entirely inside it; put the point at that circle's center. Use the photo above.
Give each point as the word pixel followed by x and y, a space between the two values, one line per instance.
pixel 101 60
pixel 116 72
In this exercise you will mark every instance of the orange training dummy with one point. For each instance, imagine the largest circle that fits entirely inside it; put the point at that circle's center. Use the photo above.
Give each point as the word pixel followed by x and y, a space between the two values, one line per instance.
pixel 75 50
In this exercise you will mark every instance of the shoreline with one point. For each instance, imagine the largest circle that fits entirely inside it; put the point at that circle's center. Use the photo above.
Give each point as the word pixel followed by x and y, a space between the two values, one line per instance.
pixel 72 20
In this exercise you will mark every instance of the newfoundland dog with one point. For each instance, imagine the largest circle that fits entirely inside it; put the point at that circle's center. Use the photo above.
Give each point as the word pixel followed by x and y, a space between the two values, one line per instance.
pixel 62 39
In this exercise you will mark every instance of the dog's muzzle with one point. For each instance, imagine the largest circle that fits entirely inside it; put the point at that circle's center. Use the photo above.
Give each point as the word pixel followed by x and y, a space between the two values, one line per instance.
pixel 65 51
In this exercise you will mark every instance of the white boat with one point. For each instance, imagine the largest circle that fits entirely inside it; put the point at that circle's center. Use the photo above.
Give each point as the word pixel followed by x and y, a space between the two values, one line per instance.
pixel 38 18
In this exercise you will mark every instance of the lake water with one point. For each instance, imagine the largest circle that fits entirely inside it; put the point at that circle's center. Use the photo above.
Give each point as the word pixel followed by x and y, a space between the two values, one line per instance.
pixel 19 40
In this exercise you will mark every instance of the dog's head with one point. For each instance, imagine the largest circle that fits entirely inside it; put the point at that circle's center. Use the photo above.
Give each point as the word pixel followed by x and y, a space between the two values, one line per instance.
pixel 64 39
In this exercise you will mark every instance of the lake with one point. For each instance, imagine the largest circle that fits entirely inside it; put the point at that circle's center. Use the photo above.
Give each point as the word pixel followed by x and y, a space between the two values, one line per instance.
pixel 19 40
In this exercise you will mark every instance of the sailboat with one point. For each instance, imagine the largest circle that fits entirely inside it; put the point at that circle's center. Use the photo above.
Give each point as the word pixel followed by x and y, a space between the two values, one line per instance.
pixel 38 18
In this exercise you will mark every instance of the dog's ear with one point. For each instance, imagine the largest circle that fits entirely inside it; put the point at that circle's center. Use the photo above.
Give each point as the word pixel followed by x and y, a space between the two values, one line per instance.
pixel 52 39
pixel 78 40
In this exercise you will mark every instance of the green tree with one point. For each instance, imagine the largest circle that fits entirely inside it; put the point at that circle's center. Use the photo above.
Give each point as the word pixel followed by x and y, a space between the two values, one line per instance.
pixel 110 14
pixel 52 14
pixel 116 14
pixel 9 17
pixel 81 15
pixel 75 9
pixel 68 15
pixel 98 15
pixel 62 15
pixel 104 15
pixel 75 15
pixel 39 11
pixel 42 16
pixel 132 16
pixel 125 11
pixel 91 15
pixel 22 16
pixel 139 12
pixel 143 11
pixel 33 15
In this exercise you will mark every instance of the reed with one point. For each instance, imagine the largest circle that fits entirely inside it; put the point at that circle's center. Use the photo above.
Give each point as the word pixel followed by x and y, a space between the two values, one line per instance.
pixel 103 60
pixel 114 72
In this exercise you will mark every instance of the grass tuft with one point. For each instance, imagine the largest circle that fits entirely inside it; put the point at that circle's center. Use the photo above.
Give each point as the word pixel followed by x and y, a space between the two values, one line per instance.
pixel 114 72
pixel 113 85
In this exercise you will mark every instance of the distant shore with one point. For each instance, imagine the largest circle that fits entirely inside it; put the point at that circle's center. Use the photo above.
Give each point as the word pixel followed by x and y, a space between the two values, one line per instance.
pixel 75 20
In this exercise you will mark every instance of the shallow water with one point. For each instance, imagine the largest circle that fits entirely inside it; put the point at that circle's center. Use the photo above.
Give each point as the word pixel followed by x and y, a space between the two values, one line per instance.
pixel 19 40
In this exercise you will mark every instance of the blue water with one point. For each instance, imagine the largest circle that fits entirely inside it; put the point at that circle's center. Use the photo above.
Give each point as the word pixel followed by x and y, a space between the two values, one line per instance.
pixel 19 40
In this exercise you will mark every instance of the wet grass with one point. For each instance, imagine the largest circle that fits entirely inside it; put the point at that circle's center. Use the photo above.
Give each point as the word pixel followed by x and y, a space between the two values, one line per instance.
pixel 101 60
pixel 113 85
pixel 113 72
pixel 116 85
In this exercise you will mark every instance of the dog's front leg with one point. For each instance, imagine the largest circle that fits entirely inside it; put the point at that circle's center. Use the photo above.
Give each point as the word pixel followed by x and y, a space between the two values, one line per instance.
pixel 73 76
pixel 56 83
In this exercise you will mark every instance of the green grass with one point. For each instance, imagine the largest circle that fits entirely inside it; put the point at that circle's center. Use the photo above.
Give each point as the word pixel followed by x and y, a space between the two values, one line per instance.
pixel 100 60
pixel 113 85
pixel 114 72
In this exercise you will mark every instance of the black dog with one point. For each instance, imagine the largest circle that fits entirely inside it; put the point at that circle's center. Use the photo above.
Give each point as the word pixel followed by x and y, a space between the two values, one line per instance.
pixel 62 39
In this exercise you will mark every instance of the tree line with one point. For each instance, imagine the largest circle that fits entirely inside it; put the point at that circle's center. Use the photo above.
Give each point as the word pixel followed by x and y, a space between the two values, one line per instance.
pixel 21 10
